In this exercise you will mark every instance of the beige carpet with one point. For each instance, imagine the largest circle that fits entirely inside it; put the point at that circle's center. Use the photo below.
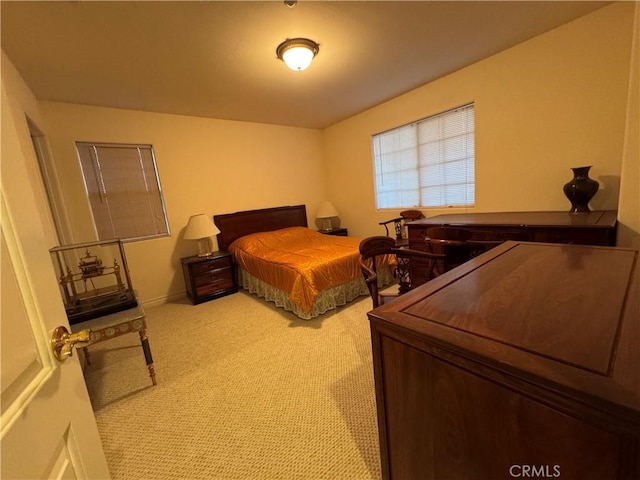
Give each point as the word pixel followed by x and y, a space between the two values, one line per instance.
pixel 245 391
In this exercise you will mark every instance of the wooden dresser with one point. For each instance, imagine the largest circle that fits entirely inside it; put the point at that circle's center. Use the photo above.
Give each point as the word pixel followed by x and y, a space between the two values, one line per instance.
pixel 589 228
pixel 524 360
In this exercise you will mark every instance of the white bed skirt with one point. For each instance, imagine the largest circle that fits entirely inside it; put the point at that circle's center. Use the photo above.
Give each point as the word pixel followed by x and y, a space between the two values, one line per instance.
pixel 327 300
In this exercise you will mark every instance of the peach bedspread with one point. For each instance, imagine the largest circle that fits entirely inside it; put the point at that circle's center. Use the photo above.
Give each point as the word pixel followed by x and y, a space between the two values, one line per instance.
pixel 299 261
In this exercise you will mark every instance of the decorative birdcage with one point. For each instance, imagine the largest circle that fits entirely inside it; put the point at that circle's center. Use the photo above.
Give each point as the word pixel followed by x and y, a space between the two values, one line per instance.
pixel 93 278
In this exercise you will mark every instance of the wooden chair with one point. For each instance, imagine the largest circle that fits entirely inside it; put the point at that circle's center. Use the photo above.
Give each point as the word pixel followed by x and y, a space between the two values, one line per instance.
pixel 372 249
pixel 412 267
pixel 399 225
pixel 453 244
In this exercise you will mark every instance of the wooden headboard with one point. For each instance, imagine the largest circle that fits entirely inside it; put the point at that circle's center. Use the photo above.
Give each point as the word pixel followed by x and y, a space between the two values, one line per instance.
pixel 236 225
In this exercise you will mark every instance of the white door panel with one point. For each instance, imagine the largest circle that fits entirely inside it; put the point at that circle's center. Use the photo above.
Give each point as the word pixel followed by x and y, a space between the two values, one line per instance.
pixel 47 426
pixel 17 342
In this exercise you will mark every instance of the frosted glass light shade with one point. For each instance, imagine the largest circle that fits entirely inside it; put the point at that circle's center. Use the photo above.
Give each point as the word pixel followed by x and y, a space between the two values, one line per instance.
pixel 297 53
pixel 298 58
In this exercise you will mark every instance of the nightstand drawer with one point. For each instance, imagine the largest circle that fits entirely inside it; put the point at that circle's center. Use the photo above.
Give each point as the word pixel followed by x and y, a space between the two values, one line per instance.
pixel 210 264
pixel 213 276
pixel 217 285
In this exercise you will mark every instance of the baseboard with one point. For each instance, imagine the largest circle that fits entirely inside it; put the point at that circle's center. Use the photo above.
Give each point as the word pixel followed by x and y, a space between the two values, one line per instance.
pixel 163 300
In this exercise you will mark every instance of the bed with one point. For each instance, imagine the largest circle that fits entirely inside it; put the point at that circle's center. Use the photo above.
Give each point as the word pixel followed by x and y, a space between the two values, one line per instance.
pixel 283 261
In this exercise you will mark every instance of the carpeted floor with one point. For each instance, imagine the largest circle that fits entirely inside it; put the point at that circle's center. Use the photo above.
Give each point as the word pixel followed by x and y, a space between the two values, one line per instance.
pixel 245 391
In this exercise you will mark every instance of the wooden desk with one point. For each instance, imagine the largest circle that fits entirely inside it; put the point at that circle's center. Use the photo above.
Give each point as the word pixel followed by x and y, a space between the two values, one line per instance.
pixel 527 355
pixel 116 324
pixel 589 228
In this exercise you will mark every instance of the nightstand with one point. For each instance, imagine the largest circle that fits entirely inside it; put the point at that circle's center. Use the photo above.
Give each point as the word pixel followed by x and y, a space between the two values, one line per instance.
pixel 209 277
pixel 341 232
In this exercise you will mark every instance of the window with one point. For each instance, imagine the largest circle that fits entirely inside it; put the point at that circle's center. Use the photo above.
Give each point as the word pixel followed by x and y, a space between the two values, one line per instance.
pixel 429 163
pixel 123 189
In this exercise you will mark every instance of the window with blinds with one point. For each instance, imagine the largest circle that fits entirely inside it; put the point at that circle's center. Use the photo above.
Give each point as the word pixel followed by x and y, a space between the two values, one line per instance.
pixel 123 188
pixel 429 163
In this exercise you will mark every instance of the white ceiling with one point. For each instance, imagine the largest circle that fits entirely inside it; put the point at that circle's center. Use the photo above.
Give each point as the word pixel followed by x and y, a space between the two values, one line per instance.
pixel 217 58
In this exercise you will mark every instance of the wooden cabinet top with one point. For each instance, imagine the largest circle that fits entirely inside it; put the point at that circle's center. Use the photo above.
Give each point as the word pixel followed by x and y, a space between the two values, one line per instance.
pixel 600 219
pixel 564 317
pixel 196 259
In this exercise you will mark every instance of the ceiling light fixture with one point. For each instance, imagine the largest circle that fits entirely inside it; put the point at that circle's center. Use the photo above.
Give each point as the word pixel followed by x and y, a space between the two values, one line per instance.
pixel 297 53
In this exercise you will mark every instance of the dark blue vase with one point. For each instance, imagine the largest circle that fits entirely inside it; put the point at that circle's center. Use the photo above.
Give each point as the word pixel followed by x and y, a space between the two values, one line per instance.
pixel 580 190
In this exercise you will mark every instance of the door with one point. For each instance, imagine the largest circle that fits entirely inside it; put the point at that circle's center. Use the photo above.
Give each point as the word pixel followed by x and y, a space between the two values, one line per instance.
pixel 47 426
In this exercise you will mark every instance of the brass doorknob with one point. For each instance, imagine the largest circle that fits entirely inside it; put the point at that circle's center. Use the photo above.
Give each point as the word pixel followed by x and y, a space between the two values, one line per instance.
pixel 62 342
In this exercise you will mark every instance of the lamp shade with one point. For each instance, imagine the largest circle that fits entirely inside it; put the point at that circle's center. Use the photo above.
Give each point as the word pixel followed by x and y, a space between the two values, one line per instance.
pixel 200 226
pixel 326 210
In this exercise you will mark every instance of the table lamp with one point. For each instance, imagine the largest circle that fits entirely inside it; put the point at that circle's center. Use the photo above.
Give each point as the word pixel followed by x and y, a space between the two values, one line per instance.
pixel 201 228
pixel 326 211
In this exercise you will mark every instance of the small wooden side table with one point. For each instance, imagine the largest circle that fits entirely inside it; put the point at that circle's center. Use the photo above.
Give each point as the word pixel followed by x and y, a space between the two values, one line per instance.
pixel 114 325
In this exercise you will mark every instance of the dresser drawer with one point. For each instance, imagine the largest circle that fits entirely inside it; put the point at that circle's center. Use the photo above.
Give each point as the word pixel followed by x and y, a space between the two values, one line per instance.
pixel 589 228
pixel 577 236
pixel 502 233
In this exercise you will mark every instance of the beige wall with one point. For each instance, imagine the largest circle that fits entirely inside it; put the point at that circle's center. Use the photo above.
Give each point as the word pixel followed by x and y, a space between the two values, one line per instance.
pixel 555 102
pixel 18 156
pixel 205 166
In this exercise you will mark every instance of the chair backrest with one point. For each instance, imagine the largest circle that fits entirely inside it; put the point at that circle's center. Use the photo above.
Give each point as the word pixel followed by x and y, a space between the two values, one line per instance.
pixel 399 224
pixel 411 215
pixel 452 243
pixel 409 263
pixel 415 267
pixel 372 249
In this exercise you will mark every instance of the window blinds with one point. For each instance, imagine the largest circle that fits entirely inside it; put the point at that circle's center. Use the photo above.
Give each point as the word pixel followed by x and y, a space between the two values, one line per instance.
pixel 123 189
pixel 429 163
